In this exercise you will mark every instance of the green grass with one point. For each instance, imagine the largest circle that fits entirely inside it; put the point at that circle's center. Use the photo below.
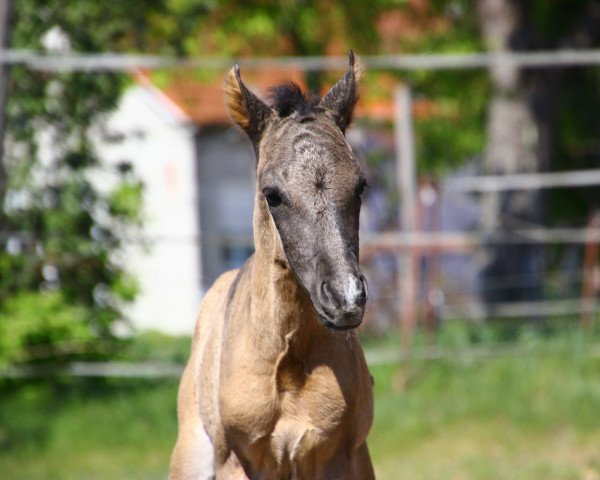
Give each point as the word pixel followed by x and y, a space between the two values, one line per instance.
pixel 532 415
pixel 87 430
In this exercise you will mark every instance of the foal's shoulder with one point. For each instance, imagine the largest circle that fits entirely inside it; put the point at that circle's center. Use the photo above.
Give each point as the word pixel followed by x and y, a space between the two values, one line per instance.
pixel 213 301
pixel 224 280
pixel 227 281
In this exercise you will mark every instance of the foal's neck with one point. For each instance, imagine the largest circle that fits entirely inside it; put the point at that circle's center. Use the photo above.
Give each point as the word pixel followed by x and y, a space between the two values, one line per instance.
pixel 282 313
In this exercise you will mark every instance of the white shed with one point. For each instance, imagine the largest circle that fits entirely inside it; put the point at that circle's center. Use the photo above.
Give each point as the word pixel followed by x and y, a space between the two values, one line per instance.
pixel 156 137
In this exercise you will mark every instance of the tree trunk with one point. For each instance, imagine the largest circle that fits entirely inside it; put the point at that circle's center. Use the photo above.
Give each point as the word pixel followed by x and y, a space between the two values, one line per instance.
pixel 516 143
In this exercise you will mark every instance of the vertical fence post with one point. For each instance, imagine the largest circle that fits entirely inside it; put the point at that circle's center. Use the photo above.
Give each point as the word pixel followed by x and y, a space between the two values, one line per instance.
pixel 429 199
pixel 6 11
pixel 407 187
pixel 590 276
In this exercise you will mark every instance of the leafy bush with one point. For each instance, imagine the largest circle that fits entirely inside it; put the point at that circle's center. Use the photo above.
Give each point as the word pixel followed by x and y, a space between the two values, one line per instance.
pixel 62 284
pixel 36 325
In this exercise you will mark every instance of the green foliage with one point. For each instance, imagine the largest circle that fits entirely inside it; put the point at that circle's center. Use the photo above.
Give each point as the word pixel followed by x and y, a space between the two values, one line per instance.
pixel 576 129
pixel 153 25
pixel 61 284
pixel 240 28
pixel 236 27
pixel 454 130
pixel 125 201
pixel 460 101
pixel 572 116
pixel 555 21
pixel 40 325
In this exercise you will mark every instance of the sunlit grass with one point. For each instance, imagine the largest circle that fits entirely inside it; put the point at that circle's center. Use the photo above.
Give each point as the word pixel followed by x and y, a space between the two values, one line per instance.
pixel 523 417
pixel 531 412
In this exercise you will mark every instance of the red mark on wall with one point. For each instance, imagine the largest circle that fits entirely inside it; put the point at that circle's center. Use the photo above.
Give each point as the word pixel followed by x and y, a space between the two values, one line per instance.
pixel 170 177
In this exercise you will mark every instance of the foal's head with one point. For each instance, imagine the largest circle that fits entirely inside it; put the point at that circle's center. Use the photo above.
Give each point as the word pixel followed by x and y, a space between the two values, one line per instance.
pixel 309 187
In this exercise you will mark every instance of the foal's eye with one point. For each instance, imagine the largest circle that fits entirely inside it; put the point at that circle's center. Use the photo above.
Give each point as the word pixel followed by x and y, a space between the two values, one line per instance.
pixel 272 196
pixel 360 188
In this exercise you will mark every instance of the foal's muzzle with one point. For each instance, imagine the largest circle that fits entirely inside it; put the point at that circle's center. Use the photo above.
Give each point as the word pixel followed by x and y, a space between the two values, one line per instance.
pixel 342 302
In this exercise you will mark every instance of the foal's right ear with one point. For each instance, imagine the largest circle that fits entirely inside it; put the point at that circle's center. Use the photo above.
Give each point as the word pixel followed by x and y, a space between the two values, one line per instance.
pixel 248 111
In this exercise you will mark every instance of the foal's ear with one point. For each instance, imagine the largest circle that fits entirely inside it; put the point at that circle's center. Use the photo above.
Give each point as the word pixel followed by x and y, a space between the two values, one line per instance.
pixel 342 97
pixel 248 111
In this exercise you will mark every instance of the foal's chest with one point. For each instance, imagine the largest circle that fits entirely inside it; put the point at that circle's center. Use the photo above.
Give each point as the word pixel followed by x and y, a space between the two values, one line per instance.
pixel 311 413
pixel 316 412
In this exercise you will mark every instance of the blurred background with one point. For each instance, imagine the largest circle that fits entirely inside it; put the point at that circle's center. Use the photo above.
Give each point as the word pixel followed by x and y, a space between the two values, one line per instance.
pixel 125 191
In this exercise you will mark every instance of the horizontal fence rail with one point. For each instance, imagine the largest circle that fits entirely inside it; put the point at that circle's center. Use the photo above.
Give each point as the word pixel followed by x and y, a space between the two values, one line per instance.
pixel 374 356
pixel 546 308
pixel 523 181
pixel 465 241
pixel 96 369
pixel 451 61
pixel 399 240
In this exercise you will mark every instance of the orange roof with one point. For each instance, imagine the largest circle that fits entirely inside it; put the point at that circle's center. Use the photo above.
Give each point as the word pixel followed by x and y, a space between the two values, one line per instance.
pixel 204 103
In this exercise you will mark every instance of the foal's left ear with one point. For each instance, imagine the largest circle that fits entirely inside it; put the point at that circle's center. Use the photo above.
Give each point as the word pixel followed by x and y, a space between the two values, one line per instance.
pixel 342 97
pixel 246 109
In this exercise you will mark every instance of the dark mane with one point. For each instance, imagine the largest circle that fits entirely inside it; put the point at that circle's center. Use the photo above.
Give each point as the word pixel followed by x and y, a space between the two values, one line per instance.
pixel 287 98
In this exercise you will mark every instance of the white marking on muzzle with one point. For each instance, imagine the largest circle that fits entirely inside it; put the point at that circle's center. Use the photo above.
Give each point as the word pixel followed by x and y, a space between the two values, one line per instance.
pixel 353 286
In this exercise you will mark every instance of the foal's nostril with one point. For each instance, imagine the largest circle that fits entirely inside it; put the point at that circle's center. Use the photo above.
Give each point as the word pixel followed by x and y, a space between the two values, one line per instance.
pixel 361 295
pixel 326 294
pixel 356 295
pixel 364 290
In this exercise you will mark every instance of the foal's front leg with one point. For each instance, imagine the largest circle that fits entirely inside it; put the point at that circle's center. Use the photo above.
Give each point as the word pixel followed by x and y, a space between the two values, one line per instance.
pixel 363 467
pixel 193 455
